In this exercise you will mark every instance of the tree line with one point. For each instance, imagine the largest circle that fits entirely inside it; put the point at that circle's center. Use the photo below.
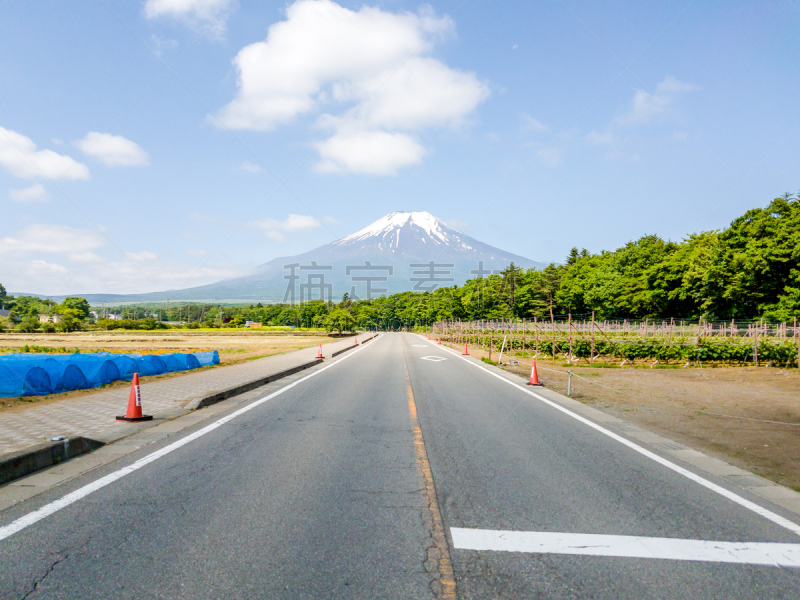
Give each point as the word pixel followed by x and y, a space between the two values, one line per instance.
pixel 750 270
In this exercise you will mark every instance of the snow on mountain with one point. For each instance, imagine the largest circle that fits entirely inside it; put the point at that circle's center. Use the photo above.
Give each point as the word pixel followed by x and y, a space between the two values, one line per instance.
pixel 403 251
pixel 391 225
pixel 411 227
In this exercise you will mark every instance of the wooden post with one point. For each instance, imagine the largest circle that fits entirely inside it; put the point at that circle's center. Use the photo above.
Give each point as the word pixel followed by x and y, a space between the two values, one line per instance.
pixel 491 331
pixel 524 349
pixel 591 359
pixel 569 334
pixel 536 332
pixel 553 323
pixel 755 346
pixel 797 338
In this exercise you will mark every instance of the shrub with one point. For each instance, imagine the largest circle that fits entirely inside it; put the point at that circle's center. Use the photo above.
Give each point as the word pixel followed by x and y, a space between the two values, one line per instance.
pixel 28 325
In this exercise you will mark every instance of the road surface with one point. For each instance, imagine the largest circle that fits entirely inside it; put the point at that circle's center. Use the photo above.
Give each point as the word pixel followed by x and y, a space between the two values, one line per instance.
pixel 400 470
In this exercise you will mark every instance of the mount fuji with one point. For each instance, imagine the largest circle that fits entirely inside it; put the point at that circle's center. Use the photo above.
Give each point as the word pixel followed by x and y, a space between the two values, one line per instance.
pixel 403 251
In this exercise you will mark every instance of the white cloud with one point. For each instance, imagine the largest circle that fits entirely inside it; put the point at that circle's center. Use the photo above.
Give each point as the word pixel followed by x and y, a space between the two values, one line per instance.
pixel 19 156
pixel 62 240
pixel 141 256
pixel 369 153
pixel 249 167
pixel 331 221
pixel 28 194
pixel 56 259
pixel 199 14
pixel 601 138
pixel 370 60
pixel 158 45
pixel 42 267
pixel 277 230
pixel 202 218
pixel 113 150
pixel 645 108
pixel 531 124
pixel 457 224
pixel 202 253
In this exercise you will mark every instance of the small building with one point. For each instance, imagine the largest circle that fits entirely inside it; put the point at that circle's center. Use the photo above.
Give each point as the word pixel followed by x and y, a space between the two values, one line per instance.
pixel 49 318
pixel 5 313
pixel 253 325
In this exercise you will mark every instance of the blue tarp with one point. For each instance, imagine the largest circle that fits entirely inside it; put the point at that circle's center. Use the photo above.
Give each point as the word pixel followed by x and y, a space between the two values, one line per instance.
pixel 39 374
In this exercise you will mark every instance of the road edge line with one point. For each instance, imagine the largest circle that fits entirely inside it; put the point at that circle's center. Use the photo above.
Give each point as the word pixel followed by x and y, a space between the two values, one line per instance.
pixel 45 511
pixel 732 496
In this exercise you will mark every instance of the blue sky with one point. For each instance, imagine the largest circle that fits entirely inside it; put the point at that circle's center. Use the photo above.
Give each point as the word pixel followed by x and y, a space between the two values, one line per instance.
pixel 168 143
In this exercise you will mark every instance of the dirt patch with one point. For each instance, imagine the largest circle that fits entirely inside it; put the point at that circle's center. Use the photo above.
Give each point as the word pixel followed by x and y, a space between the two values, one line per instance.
pixel 747 416
pixel 234 346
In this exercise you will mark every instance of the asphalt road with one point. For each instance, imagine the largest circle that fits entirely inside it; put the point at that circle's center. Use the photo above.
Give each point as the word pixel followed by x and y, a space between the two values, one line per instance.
pixel 326 490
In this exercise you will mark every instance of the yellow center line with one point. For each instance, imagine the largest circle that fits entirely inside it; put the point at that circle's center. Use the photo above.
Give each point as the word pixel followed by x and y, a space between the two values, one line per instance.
pixel 438 552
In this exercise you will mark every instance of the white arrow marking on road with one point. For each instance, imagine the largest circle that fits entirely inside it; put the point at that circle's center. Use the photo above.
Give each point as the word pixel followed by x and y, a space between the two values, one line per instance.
pixel 433 358
pixel 627 546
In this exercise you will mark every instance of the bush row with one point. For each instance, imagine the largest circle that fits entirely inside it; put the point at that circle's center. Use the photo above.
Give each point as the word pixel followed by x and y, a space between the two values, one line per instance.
pixel 779 353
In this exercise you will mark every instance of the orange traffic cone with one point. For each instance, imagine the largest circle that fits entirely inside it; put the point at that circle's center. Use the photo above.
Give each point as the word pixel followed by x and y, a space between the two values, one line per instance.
pixel 429 336
pixel 355 341
pixel 534 375
pixel 439 341
pixel 319 352
pixel 466 352
pixel 135 404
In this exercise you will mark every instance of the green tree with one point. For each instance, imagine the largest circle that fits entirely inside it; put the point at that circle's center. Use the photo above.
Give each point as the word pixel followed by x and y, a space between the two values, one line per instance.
pixel 340 319
pixel 79 305
pixel 29 324
pixel 69 322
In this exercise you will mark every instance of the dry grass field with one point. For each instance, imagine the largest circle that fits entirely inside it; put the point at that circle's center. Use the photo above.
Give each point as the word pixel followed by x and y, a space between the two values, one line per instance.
pixel 234 346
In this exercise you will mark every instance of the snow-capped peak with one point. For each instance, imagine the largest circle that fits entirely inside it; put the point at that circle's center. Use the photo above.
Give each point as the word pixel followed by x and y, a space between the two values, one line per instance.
pixel 390 226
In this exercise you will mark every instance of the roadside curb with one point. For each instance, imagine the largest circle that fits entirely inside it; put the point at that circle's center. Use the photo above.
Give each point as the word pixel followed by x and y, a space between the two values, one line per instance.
pixel 343 350
pixel 246 387
pixel 21 463
pixel 18 464
pixel 41 456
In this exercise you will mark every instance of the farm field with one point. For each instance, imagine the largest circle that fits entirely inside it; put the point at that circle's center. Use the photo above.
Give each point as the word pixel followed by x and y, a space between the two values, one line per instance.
pixel 234 346
pixel 744 415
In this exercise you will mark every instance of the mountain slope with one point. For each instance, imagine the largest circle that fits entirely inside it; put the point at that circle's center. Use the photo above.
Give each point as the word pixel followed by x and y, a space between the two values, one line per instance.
pixel 381 257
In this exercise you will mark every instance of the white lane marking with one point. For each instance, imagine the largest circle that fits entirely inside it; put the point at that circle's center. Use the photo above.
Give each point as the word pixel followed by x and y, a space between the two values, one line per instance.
pixel 419 345
pixel 627 546
pixel 759 510
pixel 433 358
pixel 56 505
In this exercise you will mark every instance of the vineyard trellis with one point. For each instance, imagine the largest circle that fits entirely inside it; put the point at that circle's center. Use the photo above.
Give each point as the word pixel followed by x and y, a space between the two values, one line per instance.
pixel 662 341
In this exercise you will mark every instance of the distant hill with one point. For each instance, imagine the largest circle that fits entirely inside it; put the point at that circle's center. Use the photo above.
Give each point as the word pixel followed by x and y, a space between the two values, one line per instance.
pixel 381 256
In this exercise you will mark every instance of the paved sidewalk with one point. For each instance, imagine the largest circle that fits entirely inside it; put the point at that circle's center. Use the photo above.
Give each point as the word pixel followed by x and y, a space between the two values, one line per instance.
pixel 87 416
